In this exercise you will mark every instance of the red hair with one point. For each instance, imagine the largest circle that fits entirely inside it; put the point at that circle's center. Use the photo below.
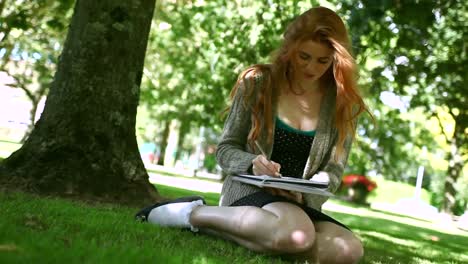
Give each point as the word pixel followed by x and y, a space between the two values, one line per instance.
pixel 318 24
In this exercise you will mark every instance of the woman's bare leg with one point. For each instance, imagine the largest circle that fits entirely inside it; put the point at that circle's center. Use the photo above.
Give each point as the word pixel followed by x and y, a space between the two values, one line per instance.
pixel 275 228
pixel 333 244
pixel 280 228
pixel 337 244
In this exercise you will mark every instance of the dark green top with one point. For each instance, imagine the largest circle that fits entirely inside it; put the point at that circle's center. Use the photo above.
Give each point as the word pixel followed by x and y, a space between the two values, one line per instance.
pixel 291 149
pixel 281 124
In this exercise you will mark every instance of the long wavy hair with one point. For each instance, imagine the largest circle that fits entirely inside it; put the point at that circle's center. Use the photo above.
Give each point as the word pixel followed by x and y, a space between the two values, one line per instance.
pixel 322 25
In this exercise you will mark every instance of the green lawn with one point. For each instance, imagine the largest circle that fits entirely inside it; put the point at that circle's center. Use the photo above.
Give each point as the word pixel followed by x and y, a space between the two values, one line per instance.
pixel 50 230
pixel 8 147
pixel 391 191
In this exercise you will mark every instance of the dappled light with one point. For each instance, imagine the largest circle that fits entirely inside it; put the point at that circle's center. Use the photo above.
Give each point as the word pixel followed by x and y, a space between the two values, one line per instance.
pixel 113 106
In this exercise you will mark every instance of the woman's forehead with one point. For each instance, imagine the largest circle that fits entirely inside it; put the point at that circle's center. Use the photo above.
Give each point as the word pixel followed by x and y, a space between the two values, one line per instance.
pixel 315 48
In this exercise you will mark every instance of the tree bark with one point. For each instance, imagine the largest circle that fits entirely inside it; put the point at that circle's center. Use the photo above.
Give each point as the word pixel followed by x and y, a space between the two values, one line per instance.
pixel 163 142
pixel 183 130
pixel 84 144
pixel 455 167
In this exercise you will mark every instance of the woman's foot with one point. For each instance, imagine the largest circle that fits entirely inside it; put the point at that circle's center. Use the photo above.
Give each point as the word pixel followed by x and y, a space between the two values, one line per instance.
pixel 173 213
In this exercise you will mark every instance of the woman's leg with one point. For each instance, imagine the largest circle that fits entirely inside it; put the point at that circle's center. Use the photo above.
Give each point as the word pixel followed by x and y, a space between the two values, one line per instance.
pixel 277 227
pixel 334 244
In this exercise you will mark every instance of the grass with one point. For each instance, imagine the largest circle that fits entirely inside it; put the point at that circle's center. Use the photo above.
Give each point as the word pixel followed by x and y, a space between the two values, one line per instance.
pixel 51 230
pixel 390 192
pixel 8 147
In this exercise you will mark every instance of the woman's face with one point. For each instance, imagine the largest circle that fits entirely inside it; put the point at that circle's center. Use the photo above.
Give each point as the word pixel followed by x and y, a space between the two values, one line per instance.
pixel 311 61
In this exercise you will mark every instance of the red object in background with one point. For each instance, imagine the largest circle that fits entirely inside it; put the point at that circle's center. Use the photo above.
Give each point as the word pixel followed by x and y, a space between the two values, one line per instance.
pixel 352 179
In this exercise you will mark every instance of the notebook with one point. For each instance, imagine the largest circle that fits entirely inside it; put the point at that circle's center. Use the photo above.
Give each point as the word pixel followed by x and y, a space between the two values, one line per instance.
pixel 285 183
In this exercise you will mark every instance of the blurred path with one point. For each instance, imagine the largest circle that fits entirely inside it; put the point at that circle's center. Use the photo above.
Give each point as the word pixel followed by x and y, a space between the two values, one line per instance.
pixel 194 184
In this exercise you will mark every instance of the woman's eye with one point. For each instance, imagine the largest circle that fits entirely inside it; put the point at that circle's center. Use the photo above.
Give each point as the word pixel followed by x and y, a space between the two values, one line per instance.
pixel 304 57
pixel 323 61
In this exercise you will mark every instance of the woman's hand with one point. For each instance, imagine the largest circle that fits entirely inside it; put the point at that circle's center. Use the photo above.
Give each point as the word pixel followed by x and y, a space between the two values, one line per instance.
pixel 262 166
pixel 291 195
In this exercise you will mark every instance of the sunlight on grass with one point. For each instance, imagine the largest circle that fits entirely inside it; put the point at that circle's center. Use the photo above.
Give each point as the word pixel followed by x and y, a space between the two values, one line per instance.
pixel 341 207
pixel 404 242
pixel 57 230
pixel 200 260
pixel 8 147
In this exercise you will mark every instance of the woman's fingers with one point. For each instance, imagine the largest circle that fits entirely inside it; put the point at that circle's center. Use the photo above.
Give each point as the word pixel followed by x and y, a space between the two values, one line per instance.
pixel 298 197
pixel 273 191
pixel 269 165
pixel 286 194
pixel 277 167
pixel 261 165
pixel 260 168
pixel 291 195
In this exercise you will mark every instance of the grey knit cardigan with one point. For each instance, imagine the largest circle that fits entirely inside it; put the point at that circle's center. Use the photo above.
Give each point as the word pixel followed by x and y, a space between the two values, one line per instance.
pixel 234 155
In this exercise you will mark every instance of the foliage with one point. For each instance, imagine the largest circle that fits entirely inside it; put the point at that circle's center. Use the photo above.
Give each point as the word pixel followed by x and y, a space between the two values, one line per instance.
pixel 31 34
pixel 197 49
pixel 414 51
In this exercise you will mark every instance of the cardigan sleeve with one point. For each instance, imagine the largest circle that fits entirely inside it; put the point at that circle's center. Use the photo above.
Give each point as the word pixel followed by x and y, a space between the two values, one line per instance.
pixel 334 167
pixel 231 152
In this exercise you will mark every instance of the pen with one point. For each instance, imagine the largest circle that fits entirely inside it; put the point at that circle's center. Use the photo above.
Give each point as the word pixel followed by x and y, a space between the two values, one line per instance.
pixel 260 148
pixel 263 153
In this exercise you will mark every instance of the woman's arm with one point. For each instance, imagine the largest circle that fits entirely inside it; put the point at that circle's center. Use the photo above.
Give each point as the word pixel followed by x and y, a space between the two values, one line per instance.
pixel 330 170
pixel 231 152
pixel 334 167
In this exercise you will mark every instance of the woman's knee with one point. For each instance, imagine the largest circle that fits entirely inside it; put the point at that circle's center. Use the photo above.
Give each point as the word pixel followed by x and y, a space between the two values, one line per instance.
pixel 292 239
pixel 283 236
pixel 292 232
pixel 349 251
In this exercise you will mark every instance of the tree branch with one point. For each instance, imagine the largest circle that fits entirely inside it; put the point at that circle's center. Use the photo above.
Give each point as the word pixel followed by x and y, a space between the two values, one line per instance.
pixel 2 6
pixel 21 86
pixel 434 114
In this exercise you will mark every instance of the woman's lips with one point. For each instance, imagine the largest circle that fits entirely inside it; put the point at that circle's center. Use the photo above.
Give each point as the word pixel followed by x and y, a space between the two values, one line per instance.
pixel 309 76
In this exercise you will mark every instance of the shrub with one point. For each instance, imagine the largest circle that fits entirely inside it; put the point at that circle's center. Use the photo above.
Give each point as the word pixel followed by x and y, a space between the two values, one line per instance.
pixel 356 188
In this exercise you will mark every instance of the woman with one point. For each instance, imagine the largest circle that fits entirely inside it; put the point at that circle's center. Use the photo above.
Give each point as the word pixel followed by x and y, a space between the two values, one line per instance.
pixel 301 111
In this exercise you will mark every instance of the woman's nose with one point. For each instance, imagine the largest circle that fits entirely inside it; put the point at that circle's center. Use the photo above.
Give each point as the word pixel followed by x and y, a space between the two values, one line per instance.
pixel 311 66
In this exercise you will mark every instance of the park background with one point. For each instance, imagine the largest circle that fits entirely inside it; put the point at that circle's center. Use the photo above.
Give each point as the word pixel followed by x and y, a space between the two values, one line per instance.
pixel 410 53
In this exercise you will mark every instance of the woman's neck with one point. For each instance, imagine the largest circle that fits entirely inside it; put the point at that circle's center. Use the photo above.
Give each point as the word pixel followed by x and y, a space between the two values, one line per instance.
pixel 309 90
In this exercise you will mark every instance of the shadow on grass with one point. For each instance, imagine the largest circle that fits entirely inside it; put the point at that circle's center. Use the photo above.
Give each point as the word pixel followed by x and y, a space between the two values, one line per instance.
pixel 387 240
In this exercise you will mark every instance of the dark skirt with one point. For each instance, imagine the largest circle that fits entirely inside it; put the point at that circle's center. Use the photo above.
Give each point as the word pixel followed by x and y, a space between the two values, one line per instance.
pixel 260 199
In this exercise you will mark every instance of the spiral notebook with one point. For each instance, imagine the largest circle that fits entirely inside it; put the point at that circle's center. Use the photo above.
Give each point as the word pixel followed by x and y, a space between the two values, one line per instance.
pixel 285 183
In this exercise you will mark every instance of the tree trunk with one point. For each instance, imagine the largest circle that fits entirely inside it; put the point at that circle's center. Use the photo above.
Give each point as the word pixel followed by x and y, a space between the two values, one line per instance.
pixel 183 130
pixel 163 143
pixel 84 144
pixel 455 167
pixel 35 98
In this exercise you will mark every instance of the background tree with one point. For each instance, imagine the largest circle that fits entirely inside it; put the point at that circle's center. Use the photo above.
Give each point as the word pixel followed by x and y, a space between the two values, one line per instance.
pixel 31 37
pixel 419 51
pixel 196 51
pixel 84 144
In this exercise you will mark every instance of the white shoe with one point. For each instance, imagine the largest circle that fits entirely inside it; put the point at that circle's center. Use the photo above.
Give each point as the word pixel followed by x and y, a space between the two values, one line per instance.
pixel 174 213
